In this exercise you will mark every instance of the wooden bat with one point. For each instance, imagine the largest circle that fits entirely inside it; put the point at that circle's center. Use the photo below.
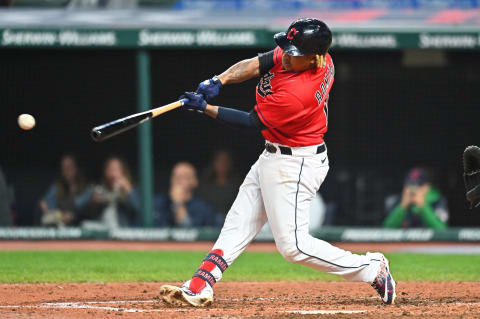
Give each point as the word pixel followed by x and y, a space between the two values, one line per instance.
pixel 105 131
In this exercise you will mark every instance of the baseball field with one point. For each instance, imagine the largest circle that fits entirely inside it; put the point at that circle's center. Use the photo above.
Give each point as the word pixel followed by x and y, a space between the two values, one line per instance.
pixel 121 279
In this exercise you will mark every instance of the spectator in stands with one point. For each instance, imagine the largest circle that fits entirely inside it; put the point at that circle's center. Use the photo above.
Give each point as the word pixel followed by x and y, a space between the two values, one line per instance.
pixel 66 198
pixel 420 205
pixel 180 208
pixel 5 211
pixel 115 202
pixel 219 183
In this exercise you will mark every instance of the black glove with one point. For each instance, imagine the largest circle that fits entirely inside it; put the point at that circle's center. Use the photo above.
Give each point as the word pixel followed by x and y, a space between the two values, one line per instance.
pixel 471 174
pixel 196 102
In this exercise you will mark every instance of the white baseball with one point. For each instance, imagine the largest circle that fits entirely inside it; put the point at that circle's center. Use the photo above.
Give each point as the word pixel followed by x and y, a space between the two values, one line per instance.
pixel 26 121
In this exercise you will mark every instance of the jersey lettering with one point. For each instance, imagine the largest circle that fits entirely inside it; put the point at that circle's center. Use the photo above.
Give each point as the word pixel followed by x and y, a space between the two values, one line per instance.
pixel 264 87
pixel 325 110
pixel 325 84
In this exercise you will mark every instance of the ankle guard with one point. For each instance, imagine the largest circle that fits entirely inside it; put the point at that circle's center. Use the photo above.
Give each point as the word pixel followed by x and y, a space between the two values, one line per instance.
pixel 205 275
pixel 217 260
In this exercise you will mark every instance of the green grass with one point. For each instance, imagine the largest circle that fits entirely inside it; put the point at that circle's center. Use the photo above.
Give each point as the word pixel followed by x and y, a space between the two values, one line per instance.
pixel 122 266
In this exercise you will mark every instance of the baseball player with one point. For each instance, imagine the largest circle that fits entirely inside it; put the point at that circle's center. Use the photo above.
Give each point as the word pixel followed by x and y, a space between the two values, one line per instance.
pixel 292 115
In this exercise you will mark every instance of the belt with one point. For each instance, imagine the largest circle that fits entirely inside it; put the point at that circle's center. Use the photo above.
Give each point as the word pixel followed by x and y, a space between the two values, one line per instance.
pixel 285 150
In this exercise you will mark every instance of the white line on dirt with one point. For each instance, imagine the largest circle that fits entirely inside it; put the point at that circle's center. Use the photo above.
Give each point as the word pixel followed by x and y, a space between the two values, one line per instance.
pixel 80 306
pixel 248 299
pixel 97 305
pixel 101 302
pixel 324 312
pixel 91 305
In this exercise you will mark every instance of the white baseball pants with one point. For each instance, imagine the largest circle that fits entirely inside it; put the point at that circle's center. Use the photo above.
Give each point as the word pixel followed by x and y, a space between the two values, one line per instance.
pixel 280 188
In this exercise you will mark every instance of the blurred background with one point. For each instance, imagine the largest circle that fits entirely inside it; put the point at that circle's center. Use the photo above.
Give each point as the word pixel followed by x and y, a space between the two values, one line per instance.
pixel 406 95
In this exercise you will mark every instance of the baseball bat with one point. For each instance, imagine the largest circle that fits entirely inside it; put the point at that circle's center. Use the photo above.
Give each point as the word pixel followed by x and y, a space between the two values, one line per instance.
pixel 105 131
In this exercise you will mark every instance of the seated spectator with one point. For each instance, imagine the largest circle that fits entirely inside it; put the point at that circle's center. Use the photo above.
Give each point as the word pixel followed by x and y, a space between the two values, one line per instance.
pixel 65 198
pixel 219 183
pixel 114 203
pixel 5 211
pixel 420 205
pixel 180 208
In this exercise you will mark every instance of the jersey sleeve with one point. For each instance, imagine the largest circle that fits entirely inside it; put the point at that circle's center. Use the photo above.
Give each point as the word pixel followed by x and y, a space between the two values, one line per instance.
pixel 278 109
pixel 269 59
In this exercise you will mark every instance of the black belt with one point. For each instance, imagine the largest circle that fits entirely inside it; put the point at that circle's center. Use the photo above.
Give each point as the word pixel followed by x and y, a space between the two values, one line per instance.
pixel 288 151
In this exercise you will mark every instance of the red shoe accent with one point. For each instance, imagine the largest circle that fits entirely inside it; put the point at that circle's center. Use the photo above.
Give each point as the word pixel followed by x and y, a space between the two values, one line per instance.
pixel 197 284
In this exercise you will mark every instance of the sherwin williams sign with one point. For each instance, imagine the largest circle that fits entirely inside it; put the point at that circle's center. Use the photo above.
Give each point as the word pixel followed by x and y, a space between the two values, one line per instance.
pixel 40 38
pixel 257 38
pixel 129 38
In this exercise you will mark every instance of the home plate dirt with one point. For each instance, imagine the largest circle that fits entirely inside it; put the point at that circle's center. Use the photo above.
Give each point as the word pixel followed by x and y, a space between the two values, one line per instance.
pixel 241 300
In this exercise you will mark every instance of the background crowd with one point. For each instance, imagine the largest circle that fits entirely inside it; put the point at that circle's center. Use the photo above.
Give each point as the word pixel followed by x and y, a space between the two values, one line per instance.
pixel 192 201
pixel 114 200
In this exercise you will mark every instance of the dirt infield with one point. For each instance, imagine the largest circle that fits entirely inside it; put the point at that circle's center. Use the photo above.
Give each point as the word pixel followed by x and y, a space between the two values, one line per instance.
pixel 241 300
pixel 232 300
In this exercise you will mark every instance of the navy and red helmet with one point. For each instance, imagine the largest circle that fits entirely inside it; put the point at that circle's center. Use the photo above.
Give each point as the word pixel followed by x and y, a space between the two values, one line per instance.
pixel 305 36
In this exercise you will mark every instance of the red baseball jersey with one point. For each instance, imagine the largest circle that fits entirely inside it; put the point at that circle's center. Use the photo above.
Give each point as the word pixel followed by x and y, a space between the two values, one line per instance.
pixel 294 106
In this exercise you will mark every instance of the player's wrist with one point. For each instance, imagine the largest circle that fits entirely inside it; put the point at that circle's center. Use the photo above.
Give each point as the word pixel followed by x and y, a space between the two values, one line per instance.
pixel 222 79
pixel 211 110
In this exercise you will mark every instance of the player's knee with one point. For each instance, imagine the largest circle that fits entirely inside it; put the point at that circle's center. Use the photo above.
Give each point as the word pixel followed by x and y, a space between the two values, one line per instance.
pixel 290 252
pixel 294 250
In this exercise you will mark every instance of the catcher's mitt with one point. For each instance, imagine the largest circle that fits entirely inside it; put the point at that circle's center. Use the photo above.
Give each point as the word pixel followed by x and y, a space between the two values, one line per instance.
pixel 471 175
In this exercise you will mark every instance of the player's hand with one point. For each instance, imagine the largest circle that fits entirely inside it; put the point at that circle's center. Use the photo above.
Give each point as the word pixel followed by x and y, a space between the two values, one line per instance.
pixel 196 102
pixel 209 88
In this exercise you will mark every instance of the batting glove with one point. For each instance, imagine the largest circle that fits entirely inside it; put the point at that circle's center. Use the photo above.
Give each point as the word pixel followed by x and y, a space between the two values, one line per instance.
pixel 210 88
pixel 196 102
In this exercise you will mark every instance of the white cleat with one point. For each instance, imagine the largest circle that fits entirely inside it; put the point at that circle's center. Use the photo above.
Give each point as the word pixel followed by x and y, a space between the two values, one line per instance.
pixel 182 296
pixel 384 283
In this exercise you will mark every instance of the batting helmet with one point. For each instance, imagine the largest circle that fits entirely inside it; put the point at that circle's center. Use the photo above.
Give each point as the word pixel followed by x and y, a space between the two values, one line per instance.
pixel 304 37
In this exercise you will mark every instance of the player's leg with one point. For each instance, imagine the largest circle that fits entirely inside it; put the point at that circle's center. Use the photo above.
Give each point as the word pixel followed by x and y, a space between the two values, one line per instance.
pixel 242 223
pixel 288 186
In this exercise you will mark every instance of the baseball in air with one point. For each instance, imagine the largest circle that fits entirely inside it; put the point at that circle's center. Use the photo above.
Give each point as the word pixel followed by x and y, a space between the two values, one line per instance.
pixel 26 121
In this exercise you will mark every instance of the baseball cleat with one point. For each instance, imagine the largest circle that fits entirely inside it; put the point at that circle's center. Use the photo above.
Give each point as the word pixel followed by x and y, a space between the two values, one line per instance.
pixel 182 296
pixel 384 283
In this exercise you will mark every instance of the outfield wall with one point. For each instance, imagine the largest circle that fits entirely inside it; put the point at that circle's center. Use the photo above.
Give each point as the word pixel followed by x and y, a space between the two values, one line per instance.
pixel 332 234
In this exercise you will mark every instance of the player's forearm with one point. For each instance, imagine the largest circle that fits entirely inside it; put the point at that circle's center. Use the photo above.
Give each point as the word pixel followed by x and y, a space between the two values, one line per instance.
pixel 212 111
pixel 241 71
pixel 235 118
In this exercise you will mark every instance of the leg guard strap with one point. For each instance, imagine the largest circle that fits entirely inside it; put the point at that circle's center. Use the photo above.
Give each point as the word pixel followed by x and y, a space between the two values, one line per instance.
pixel 205 275
pixel 217 260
